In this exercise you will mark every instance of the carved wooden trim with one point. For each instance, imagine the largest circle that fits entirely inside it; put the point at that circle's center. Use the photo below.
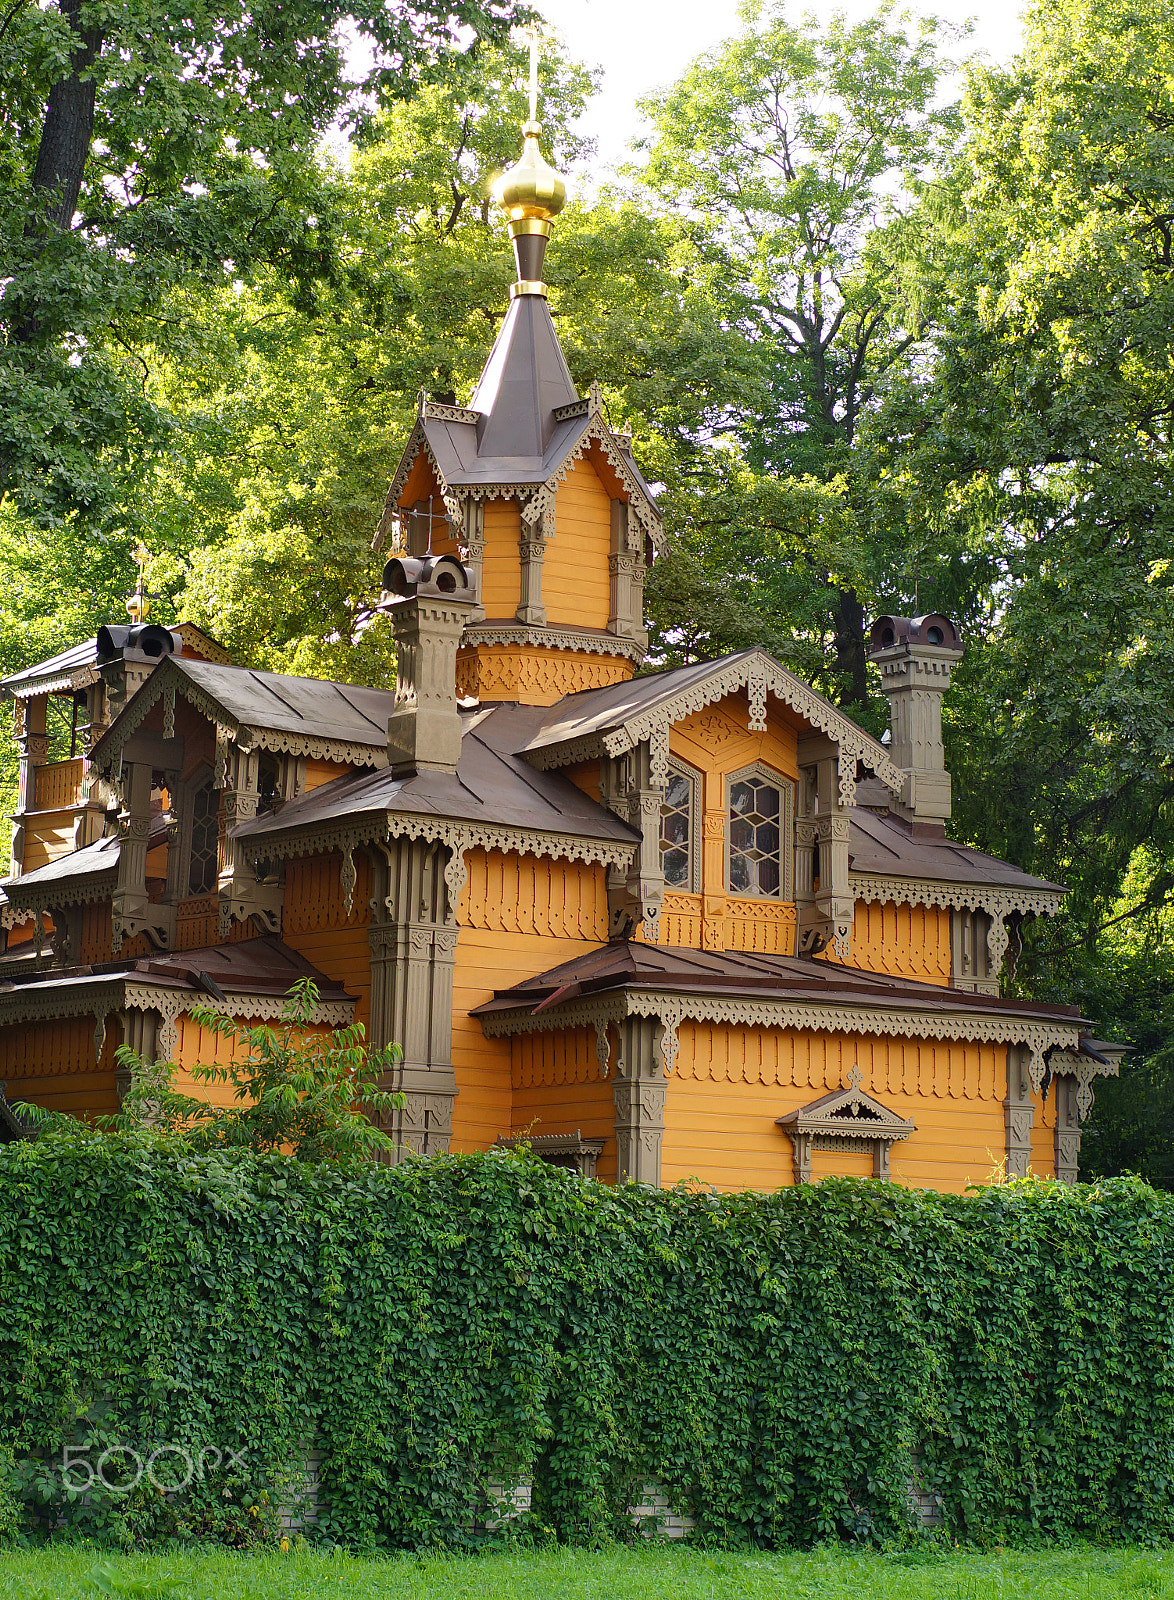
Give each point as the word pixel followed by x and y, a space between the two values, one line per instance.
pixel 798 1016
pixel 125 991
pixel 997 901
pixel 479 633
pixel 168 679
pixel 83 890
pixel 766 675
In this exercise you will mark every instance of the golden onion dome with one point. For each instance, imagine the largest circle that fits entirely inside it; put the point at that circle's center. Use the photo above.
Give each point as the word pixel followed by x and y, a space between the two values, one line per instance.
pixel 531 188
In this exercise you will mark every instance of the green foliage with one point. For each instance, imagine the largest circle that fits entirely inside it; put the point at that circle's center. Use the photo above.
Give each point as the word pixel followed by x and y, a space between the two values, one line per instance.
pixel 1028 455
pixel 654 1570
pixel 144 149
pixel 445 1328
pixel 313 1094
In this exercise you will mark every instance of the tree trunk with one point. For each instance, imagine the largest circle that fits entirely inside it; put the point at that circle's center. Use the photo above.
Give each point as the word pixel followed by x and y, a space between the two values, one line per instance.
pixel 851 660
pixel 68 126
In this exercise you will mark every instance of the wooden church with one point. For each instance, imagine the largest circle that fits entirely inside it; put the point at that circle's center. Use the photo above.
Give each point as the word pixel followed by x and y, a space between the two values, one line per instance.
pixel 683 925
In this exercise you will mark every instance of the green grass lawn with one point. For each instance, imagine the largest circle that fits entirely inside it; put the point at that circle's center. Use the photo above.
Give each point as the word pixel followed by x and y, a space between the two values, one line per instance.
pixel 650 1573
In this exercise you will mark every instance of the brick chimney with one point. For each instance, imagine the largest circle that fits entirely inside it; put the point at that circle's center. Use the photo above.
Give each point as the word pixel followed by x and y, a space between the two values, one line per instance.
pixel 915 656
pixel 429 600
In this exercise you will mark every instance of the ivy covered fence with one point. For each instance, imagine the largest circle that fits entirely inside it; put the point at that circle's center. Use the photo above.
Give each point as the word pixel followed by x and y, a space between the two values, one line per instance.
pixel 181 1333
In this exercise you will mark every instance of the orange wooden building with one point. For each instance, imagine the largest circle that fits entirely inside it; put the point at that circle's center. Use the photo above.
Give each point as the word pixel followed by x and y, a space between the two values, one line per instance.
pixel 688 925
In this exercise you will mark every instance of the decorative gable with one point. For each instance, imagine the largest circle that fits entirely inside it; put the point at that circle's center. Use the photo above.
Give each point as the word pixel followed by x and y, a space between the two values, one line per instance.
pixel 847 1119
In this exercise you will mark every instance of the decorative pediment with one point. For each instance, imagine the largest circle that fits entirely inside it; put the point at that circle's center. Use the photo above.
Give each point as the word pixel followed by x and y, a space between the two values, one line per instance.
pixel 846 1119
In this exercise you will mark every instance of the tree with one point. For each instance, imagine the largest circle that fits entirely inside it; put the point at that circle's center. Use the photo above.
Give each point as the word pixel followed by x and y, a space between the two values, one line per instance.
pixel 315 1095
pixel 785 149
pixel 143 146
pixel 1030 453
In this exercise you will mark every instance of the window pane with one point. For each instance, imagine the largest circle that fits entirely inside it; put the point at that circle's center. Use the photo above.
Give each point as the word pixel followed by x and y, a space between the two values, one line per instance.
pixel 676 868
pixel 205 830
pixel 676 832
pixel 677 793
pixel 756 841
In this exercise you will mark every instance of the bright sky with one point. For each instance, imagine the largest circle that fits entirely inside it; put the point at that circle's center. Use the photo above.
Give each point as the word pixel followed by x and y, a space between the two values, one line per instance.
pixel 645 44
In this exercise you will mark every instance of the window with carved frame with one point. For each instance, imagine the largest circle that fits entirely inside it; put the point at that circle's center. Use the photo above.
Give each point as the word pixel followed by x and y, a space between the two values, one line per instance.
pixel 195 852
pixel 760 823
pixel 680 828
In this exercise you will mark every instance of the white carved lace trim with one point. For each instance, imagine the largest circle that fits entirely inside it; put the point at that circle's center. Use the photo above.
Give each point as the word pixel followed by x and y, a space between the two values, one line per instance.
pixel 672 1009
pixel 123 993
pixel 557 638
pixel 167 680
pixel 759 674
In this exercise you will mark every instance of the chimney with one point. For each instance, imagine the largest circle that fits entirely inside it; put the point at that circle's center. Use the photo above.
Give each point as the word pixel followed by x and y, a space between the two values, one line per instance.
pixel 915 656
pixel 429 600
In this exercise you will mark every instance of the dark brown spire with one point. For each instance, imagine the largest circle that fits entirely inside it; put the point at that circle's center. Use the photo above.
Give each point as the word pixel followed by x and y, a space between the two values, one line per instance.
pixel 525 379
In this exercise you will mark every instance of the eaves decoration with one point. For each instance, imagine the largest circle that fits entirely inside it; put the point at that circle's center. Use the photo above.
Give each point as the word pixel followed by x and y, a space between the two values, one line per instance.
pixel 539 495
pixel 671 1009
pixel 123 993
pixel 608 644
pixel 86 889
pixel 998 901
pixel 460 837
pixel 760 676
pixel 167 681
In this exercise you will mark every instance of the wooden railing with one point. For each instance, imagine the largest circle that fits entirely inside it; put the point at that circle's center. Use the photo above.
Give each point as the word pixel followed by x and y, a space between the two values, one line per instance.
pixel 59 785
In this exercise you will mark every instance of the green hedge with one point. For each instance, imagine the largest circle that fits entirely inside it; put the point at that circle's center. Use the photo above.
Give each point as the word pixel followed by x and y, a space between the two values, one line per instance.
pixel 776 1362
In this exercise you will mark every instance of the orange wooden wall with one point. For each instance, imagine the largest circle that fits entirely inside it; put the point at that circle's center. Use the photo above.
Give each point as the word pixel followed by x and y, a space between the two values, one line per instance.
pixel 558 1087
pixel 730 1084
pixel 52 1064
pixel 576 580
pixel 501 570
pixel 518 915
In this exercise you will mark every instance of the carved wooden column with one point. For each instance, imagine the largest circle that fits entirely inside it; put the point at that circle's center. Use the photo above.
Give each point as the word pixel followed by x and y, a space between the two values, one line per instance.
pixel 413 951
pixel 537 527
pixel 1018 1112
pixel 825 916
pixel 134 827
pixel 640 1092
pixel 1067 1138
pixel 32 743
pixel 242 893
pixel 633 786
pixel 626 610
pixel 473 544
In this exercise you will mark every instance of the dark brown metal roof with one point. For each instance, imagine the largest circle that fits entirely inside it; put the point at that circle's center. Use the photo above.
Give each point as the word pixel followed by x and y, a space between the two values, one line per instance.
pixel 630 964
pixel 260 966
pixel 492 785
pixel 885 846
pixel 62 665
pixel 314 708
pixel 264 965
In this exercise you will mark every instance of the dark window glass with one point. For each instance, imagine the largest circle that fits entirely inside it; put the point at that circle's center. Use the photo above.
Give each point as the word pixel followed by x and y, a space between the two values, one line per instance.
pixel 755 840
pixel 205 835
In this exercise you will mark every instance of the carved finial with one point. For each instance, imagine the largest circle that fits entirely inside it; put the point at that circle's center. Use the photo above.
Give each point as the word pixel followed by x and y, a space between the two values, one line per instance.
pixel 421 401
pixel 855 1078
pixel 595 400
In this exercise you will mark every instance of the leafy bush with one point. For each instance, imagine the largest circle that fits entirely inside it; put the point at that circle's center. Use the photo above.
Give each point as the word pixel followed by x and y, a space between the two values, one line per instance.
pixel 439 1331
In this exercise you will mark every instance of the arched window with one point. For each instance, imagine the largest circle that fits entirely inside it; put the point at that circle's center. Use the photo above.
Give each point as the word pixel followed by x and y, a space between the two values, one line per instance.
pixel 680 819
pixel 204 838
pixel 759 833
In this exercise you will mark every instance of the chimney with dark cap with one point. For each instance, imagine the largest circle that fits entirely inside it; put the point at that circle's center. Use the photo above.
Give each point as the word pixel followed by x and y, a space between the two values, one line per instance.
pixel 429 600
pixel 915 656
